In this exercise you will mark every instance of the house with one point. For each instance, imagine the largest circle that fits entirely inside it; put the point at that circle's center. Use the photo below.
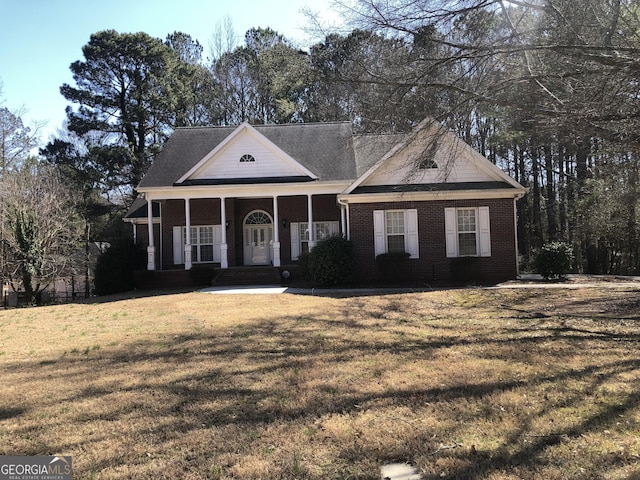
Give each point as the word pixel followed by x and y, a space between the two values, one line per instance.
pixel 247 195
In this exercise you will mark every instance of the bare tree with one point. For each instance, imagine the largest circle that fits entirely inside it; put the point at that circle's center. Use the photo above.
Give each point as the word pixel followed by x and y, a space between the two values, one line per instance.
pixel 40 227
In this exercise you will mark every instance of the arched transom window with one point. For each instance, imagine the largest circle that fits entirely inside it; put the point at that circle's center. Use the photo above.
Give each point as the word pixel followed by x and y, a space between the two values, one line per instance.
pixel 247 157
pixel 258 218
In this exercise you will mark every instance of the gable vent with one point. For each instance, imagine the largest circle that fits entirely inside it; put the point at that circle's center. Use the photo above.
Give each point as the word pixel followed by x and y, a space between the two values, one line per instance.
pixel 247 158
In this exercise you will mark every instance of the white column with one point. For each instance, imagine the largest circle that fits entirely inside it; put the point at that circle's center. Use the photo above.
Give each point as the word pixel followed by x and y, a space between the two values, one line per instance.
pixel 343 220
pixel 312 235
pixel 187 245
pixel 276 233
pixel 224 248
pixel 151 249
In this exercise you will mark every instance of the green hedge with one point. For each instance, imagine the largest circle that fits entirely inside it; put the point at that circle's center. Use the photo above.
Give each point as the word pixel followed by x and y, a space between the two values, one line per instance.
pixel 554 260
pixel 331 261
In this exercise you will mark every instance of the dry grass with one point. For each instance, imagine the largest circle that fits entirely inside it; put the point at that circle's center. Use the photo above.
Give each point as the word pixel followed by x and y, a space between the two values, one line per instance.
pixel 482 384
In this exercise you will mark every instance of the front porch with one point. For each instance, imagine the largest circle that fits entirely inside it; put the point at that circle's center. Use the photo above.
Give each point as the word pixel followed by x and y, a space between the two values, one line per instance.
pixel 180 234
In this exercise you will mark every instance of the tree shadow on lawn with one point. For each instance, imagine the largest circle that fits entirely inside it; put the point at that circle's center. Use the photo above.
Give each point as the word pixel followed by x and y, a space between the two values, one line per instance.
pixel 289 374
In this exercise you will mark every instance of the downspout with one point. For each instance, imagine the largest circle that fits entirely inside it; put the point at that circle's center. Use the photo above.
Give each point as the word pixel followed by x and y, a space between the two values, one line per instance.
pixel 515 230
pixel 344 205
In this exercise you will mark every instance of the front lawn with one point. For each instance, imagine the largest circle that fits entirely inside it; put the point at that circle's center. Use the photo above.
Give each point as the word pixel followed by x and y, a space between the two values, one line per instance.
pixel 470 383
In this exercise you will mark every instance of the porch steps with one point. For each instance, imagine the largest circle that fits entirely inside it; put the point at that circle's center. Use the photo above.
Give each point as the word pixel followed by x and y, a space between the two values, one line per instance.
pixel 248 276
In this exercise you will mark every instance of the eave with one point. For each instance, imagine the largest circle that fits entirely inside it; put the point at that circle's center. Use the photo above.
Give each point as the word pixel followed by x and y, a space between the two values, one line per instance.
pixel 430 196
pixel 263 190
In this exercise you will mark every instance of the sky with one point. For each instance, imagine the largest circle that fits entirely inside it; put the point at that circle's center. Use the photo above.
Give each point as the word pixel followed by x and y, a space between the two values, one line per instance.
pixel 39 39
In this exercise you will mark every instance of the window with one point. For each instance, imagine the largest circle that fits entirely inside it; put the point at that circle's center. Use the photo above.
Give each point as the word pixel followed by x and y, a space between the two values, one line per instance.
pixel 396 231
pixel 394 223
pixel 467 235
pixel 427 163
pixel 247 158
pixel 205 243
pixel 467 232
pixel 201 243
pixel 300 235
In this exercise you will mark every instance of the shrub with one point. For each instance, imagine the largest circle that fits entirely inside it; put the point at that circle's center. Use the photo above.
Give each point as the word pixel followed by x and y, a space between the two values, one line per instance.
pixel 202 275
pixel 303 265
pixel 466 269
pixel 331 261
pixel 554 260
pixel 114 268
pixel 393 266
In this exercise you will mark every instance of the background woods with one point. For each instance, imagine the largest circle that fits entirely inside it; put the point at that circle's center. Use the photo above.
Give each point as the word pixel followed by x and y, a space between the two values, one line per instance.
pixel 544 89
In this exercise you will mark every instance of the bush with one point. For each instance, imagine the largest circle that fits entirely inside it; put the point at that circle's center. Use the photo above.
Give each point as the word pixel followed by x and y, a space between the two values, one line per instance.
pixel 303 266
pixel 202 275
pixel 331 261
pixel 466 269
pixel 114 268
pixel 554 260
pixel 393 266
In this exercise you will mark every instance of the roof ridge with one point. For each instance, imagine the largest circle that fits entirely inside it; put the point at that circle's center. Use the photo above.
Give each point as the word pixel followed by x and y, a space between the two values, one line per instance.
pixel 262 125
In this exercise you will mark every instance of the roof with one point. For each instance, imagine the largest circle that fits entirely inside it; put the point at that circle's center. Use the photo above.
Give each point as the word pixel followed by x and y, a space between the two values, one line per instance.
pixel 139 209
pixel 433 187
pixel 369 149
pixel 326 149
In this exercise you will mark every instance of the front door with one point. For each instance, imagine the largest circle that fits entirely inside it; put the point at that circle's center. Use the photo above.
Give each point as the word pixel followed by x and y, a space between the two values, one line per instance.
pixel 258 238
pixel 260 245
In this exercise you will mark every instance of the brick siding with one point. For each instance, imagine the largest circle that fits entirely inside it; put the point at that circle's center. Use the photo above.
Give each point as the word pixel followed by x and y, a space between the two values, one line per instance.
pixel 433 266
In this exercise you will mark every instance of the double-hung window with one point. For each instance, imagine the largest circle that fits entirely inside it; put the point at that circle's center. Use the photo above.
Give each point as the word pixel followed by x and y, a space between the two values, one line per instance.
pixel 467 232
pixel 201 243
pixel 300 235
pixel 396 231
pixel 205 243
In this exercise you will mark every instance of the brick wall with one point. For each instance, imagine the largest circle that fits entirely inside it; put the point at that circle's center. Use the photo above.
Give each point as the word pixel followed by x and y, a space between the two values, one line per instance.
pixel 433 266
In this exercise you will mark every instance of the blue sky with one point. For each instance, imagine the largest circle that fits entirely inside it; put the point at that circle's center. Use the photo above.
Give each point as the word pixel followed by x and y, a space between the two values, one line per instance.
pixel 39 39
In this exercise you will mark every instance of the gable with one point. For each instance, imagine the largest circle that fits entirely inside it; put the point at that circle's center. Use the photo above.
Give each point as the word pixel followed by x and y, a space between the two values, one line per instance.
pixel 432 157
pixel 245 154
pixel 300 152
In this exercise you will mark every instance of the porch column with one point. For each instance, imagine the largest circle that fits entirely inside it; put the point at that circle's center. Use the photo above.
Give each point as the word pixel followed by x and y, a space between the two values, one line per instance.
pixel 343 221
pixel 312 235
pixel 224 259
pixel 187 244
pixel 151 249
pixel 276 233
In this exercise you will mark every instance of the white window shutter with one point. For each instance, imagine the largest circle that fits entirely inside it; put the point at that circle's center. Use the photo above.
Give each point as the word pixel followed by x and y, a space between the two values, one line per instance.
pixel 411 233
pixel 177 246
pixel 379 243
pixel 217 241
pixel 295 240
pixel 450 230
pixel 485 231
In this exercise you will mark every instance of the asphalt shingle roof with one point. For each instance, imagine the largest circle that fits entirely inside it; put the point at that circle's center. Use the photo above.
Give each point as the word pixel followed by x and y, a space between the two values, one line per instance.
pixel 326 149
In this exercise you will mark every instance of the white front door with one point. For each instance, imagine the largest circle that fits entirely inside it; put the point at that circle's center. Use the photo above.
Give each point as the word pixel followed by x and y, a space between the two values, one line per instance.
pixel 260 245
pixel 258 239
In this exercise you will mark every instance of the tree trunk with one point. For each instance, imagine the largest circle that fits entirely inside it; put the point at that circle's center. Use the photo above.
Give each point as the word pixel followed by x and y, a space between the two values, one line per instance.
pixel 552 216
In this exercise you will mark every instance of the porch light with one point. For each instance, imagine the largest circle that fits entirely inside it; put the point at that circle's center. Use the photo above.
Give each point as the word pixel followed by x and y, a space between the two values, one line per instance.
pixel 227 225
pixel 284 223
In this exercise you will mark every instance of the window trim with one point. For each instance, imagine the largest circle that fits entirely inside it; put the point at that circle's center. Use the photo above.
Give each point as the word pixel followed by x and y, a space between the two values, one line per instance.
pixel 179 242
pixel 297 240
pixel 482 232
pixel 410 231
